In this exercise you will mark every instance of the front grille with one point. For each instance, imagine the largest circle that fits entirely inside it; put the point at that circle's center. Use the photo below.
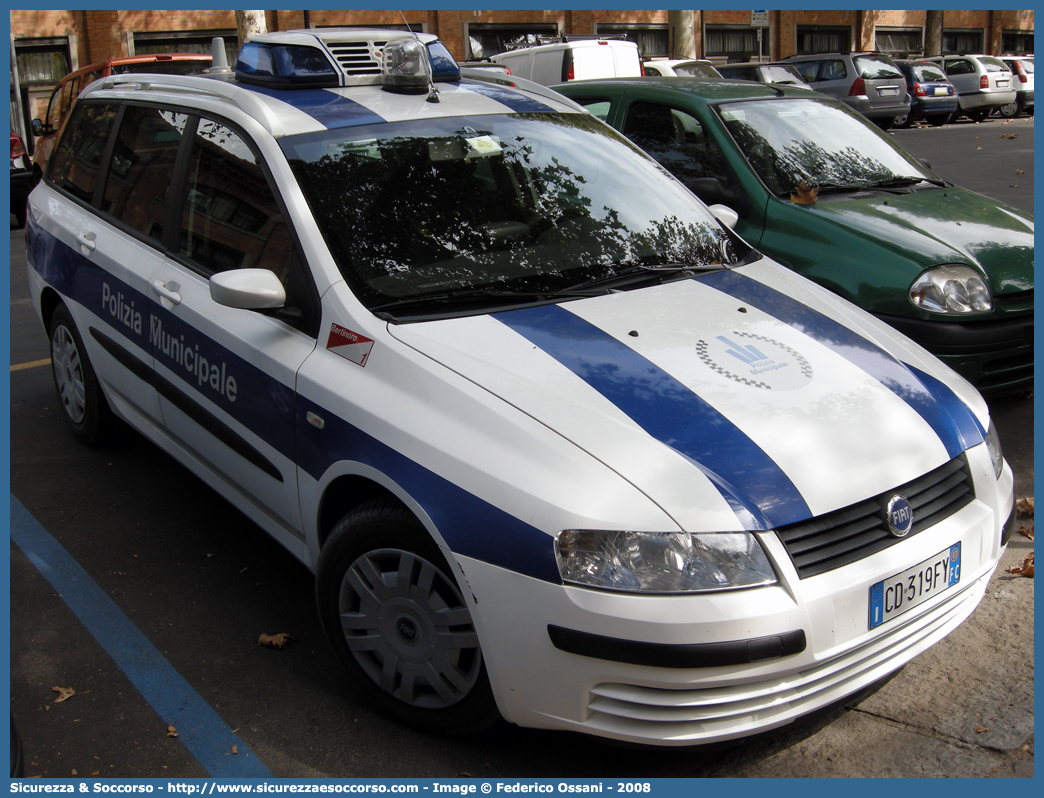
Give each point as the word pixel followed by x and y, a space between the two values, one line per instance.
pixel 845 536
pixel 1015 301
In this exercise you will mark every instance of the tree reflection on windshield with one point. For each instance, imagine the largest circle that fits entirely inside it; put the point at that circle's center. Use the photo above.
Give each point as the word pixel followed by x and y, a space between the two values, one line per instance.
pixel 525 203
pixel 790 141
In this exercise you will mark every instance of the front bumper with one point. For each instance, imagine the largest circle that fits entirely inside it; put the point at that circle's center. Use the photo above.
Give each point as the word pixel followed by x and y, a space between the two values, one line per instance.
pixel 684 670
pixel 995 356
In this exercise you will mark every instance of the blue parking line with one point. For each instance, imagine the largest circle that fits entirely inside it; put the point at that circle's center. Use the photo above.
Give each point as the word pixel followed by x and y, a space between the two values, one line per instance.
pixel 200 729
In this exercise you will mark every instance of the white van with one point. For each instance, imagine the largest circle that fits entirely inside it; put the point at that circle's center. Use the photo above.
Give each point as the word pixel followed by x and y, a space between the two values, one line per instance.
pixel 582 59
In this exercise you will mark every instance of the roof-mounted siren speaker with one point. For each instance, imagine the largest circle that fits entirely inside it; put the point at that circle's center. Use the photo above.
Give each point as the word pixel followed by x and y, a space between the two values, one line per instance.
pixel 219 58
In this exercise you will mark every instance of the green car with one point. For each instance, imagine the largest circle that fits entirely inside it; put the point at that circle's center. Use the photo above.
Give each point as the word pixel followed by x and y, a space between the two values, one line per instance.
pixel 823 191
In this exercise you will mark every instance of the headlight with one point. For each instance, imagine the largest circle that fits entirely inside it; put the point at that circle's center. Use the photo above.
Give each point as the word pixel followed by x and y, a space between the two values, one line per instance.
pixel 951 289
pixel 993 446
pixel 662 562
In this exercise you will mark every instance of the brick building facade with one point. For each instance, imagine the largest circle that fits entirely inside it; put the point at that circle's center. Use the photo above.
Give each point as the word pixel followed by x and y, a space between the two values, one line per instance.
pixel 47 44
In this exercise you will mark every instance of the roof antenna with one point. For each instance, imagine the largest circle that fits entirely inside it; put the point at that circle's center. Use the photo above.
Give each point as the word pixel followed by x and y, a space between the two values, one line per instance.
pixel 433 93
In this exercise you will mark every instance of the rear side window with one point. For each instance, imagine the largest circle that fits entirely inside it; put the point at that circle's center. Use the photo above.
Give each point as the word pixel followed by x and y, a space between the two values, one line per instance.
pixel 76 163
pixel 833 70
pixel 138 184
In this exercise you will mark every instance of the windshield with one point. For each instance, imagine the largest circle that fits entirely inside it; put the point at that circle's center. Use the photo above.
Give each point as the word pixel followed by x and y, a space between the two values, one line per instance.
pixel 469 211
pixel 824 144
pixel 696 69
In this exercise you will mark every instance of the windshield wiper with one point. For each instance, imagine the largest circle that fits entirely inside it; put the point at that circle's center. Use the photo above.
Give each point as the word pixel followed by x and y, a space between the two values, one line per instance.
pixel 463 295
pixel 901 182
pixel 642 272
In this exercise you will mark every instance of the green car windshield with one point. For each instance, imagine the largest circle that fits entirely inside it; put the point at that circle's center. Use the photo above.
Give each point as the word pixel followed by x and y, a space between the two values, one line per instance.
pixel 817 142
pixel 470 214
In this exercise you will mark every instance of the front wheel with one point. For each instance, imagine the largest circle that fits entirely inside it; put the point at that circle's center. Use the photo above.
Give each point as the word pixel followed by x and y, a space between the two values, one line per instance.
pixel 399 624
pixel 86 409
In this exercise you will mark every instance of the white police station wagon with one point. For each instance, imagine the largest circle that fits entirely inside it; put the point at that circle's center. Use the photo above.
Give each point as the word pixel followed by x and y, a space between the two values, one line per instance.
pixel 559 447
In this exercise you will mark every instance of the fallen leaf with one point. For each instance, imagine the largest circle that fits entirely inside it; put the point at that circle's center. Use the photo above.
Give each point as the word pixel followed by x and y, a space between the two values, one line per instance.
pixel 980 729
pixel 171 731
pixel 1027 532
pixel 64 693
pixel 74 773
pixel 1020 171
pixel 1013 136
pixel 804 194
pixel 274 641
pixel 235 749
pixel 1026 569
pixel 978 148
pixel 1025 506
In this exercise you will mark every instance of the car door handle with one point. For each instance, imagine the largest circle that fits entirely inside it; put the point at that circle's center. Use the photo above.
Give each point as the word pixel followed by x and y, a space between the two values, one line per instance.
pixel 168 291
pixel 87 241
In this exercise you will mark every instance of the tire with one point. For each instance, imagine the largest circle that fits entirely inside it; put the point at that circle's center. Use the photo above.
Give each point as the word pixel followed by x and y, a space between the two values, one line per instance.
pixel 21 213
pixel 1009 111
pixel 85 408
pixel 977 116
pixel 939 121
pixel 886 123
pixel 903 120
pixel 398 623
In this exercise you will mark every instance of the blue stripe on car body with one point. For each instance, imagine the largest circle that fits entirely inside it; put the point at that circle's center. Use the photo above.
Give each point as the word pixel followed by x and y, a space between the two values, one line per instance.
pixel 326 107
pixel 519 103
pixel 470 526
pixel 668 411
pixel 948 417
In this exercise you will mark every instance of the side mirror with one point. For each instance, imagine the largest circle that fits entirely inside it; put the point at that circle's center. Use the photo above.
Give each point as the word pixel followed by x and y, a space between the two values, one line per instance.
pixel 926 162
pixel 725 215
pixel 37 126
pixel 248 289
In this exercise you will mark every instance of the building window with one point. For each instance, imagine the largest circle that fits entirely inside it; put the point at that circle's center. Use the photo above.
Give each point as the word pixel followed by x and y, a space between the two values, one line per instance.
pixel 819 39
pixel 42 61
pixel 195 42
pixel 1017 42
pixel 733 44
pixel 653 40
pixel 962 41
pixel 485 41
pixel 900 42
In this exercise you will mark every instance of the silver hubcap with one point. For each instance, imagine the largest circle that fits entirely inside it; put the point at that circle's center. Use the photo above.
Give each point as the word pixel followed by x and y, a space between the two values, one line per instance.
pixel 407 626
pixel 68 374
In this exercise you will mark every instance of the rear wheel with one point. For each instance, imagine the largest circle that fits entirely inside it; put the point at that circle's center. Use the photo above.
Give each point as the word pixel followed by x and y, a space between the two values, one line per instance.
pixel 977 115
pixel 399 624
pixel 1009 111
pixel 904 120
pixel 939 121
pixel 886 123
pixel 86 409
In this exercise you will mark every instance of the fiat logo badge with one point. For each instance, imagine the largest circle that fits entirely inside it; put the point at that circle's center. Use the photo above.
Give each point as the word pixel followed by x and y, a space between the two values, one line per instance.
pixel 899 515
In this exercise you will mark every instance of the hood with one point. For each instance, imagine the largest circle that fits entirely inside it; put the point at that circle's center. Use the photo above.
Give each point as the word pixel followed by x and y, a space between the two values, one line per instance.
pixel 747 398
pixel 945 225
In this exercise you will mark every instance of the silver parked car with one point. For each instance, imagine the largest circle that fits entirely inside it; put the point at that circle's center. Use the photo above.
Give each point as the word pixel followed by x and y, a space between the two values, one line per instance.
pixel 870 83
pixel 1021 67
pixel 781 74
pixel 983 82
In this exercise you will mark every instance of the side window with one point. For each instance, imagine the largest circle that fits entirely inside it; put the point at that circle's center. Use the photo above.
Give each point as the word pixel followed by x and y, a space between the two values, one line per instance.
pixel 138 184
pixel 833 70
pixel 76 162
pixel 807 70
pixel 599 108
pixel 232 219
pixel 959 66
pixel 677 140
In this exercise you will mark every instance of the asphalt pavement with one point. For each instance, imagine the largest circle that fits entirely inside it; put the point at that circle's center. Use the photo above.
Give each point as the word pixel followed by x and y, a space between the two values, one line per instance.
pixel 197 584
